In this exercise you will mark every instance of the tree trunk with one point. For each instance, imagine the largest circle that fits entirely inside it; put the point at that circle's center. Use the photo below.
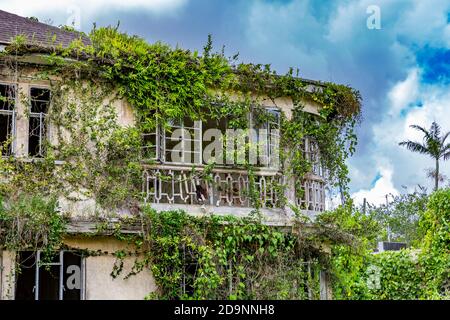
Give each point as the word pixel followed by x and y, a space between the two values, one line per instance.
pixel 436 177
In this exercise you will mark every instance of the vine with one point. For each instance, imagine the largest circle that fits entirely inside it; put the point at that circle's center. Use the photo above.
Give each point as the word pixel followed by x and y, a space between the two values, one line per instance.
pixel 92 156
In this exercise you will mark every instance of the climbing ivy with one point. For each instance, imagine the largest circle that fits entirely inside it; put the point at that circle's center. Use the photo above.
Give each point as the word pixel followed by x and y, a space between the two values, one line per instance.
pixel 223 257
pixel 93 157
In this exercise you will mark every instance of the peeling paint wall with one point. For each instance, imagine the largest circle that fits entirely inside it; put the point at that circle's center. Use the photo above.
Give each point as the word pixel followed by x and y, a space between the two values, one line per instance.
pixel 99 283
pixel 7 274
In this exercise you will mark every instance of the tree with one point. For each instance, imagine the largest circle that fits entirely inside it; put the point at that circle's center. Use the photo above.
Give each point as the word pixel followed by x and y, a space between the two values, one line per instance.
pixel 433 145
pixel 402 215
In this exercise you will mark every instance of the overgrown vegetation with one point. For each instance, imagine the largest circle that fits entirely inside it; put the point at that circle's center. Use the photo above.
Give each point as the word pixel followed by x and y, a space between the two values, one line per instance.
pixel 400 216
pixel 420 272
pixel 227 258
pixel 93 157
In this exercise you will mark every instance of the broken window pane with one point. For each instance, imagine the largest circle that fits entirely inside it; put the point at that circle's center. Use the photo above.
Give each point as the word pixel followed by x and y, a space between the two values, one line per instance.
pixel 40 101
pixel 7 118
pixel 55 278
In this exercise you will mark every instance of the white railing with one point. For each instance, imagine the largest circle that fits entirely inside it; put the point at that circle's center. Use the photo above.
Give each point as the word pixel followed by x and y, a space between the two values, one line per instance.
pixel 221 187
pixel 312 196
pixel 165 184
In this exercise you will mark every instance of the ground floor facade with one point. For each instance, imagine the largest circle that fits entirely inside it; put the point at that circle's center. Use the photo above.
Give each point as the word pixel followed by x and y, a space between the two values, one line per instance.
pixel 72 274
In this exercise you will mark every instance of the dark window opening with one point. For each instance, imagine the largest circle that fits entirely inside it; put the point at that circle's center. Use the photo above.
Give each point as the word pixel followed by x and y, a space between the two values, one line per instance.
pixel 219 155
pixel 55 278
pixel 37 132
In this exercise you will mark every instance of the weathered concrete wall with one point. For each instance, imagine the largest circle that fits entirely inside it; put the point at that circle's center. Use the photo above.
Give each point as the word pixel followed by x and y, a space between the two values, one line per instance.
pixel 99 283
pixel 7 274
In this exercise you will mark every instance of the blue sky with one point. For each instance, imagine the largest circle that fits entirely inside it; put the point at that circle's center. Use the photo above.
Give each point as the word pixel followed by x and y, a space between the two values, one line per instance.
pixel 402 69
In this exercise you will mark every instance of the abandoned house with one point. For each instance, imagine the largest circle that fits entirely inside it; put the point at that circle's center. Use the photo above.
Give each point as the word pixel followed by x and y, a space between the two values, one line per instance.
pixel 167 182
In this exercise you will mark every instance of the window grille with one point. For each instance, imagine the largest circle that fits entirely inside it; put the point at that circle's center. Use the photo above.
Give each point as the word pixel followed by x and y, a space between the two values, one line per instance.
pixel 7 118
pixel 58 277
pixel 38 133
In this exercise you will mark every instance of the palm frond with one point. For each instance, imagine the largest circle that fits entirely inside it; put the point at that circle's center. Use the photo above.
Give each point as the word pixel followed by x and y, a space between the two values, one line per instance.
pixel 446 156
pixel 419 128
pixel 415 147
pixel 435 130
pixel 445 137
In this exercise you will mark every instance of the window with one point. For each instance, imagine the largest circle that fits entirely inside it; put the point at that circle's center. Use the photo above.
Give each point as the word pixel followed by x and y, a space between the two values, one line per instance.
pixel 194 142
pixel 7 118
pixel 37 132
pixel 214 141
pixel 182 142
pixel 267 137
pixel 59 278
pixel 273 127
pixel 311 152
pixel 152 143
pixel 179 142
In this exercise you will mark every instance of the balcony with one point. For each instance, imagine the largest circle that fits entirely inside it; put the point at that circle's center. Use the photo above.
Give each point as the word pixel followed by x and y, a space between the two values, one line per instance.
pixel 193 189
pixel 221 187
pixel 182 181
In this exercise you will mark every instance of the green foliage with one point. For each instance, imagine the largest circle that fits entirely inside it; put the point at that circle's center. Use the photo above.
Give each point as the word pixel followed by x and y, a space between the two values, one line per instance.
pixel 349 258
pixel 31 223
pixel 416 273
pixel 401 215
pixel 400 276
pixel 226 258
pixel 436 222
pixel 94 157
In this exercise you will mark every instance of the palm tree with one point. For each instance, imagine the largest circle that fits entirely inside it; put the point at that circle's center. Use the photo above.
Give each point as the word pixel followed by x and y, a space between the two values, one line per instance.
pixel 433 145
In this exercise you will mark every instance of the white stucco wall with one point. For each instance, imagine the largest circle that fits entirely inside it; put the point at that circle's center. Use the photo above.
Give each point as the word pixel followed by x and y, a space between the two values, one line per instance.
pixel 7 274
pixel 99 284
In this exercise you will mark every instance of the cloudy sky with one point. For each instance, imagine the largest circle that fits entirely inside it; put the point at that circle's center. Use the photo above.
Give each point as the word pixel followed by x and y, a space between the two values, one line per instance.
pixel 402 68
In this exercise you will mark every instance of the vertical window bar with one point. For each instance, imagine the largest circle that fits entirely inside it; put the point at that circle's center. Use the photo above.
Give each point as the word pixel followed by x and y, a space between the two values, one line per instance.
pixel 13 131
pixel 40 133
pixel 36 283
pixel 183 141
pixel 83 279
pixel 157 142
pixel 61 275
pixel 199 143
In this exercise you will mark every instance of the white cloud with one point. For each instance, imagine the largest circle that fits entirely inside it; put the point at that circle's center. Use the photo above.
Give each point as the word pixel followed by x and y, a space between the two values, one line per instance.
pixel 408 168
pixel 424 22
pixel 404 92
pixel 382 187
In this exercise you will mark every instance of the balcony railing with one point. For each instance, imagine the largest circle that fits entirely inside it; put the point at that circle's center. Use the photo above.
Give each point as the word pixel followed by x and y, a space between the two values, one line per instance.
pixel 312 196
pixel 165 184
pixel 221 187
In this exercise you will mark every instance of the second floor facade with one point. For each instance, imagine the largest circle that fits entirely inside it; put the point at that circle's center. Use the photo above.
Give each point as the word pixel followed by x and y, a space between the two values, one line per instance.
pixel 200 166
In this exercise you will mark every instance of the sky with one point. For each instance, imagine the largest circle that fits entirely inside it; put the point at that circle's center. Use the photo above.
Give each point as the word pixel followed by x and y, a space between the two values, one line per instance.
pixel 395 52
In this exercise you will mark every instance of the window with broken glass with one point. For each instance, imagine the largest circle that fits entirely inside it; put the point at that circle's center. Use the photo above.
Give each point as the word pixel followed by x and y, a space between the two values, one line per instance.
pixel 37 130
pixel 7 118
pixel 59 277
